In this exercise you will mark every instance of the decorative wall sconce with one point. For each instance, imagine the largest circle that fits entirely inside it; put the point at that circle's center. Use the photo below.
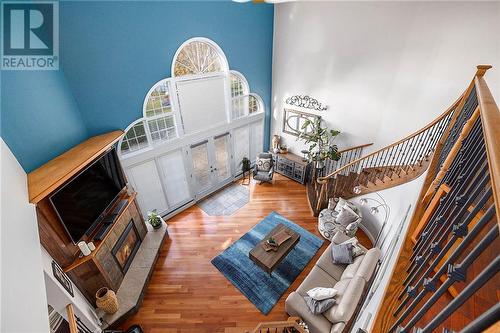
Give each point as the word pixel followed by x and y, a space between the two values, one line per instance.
pixel 307 102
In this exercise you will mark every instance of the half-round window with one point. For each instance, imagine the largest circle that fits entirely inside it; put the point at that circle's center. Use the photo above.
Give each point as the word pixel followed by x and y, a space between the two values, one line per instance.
pixel 199 56
pixel 255 104
pixel 135 138
pixel 239 94
pixel 158 100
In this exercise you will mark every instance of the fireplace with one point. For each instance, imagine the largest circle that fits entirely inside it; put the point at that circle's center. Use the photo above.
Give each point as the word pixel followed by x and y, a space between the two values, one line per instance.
pixel 126 247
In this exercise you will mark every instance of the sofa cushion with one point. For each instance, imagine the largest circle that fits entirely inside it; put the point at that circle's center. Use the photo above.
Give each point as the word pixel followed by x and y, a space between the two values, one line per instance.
pixel 337 328
pixel 349 296
pixel 295 305
pixel 325 262
pixel 350 270
pixel 339 238
pixel 316 278
pixel 367 267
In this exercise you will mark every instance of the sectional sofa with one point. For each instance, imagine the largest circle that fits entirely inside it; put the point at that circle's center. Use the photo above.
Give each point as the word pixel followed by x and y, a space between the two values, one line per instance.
pixel 351 281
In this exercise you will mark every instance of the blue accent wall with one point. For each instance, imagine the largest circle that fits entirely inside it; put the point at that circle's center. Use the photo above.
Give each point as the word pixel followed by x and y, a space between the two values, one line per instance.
pixel 113 52
pixel 39 116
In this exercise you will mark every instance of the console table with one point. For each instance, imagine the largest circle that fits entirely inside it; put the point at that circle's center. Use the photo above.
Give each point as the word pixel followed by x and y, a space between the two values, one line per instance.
pixel 291 166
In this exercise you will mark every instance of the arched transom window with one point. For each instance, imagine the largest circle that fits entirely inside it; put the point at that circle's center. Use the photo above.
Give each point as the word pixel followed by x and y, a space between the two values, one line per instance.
pixel 166 115
pixel 198 56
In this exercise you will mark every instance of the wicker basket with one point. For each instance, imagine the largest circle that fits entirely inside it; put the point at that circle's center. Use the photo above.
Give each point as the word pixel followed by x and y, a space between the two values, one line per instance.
pixel 106 300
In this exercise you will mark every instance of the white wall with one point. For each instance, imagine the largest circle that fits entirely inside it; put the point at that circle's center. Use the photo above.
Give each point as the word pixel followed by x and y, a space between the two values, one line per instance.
pixel 24 303
pixel 385 69
pixel 58 297
pixel 399 199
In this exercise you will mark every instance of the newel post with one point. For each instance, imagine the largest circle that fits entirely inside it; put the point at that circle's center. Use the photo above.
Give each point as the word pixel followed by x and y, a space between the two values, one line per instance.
pixel 481 69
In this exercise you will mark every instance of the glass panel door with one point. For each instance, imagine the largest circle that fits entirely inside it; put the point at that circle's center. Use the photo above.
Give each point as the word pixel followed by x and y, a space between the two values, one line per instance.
pixel 201 167
pixel 222 166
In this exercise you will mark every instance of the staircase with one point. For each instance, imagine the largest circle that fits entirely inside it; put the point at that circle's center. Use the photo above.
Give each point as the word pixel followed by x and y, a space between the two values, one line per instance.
pixel 394 164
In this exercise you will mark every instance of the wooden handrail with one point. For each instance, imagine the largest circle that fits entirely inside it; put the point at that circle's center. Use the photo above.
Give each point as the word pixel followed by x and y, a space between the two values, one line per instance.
pixel 292 322
pixel 490 120
pixel 434 122
pixel 355 147
pixel 73 327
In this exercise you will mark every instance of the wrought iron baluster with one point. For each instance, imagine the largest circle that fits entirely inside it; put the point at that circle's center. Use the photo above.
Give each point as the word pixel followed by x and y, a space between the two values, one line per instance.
pixel 459 229
pixel 455 273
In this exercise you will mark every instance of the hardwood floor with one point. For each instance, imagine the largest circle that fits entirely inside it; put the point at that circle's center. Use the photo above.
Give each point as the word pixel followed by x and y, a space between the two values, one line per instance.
pixel 188 294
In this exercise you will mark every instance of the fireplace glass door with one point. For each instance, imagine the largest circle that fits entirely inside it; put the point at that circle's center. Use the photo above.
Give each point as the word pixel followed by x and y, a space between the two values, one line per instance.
pixel 127 246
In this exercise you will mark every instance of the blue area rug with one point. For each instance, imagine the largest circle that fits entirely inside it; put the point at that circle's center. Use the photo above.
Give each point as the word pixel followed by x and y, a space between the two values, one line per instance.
pixel 263 290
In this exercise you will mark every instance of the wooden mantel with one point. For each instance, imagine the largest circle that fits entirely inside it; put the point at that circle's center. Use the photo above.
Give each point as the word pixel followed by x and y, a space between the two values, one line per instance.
pixel 51 175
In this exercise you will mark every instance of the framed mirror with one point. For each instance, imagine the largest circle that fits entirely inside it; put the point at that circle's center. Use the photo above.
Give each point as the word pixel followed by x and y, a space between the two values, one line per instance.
pixel 293 121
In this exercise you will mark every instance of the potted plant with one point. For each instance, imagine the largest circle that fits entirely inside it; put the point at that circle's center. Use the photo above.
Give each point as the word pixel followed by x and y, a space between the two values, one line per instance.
pixel 154 219
pixel 245 164
pixel 321 141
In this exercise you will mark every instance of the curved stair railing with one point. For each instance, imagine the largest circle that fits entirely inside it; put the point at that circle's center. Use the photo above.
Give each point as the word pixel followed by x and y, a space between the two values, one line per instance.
pixel 347 156
pixel 445 277
pixel 396 163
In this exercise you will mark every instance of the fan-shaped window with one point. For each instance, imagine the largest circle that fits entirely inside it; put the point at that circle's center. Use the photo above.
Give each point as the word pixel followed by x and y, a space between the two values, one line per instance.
pixel 158 100
pixel 135 138
pixel 158 113
pixel 255 104
pixel 239 86
pixel 239 95
pixel 198 56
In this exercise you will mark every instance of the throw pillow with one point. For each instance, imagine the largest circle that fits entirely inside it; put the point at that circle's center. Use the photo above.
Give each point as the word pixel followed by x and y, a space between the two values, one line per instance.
pixel 318 307
pixel 346 216
pixel 341 202
pixel 263 164
pixel 357 250
pixel 320 293
pixel 342 254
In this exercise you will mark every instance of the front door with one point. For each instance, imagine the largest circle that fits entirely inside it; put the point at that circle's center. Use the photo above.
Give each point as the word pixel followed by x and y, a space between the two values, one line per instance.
pixel 211 164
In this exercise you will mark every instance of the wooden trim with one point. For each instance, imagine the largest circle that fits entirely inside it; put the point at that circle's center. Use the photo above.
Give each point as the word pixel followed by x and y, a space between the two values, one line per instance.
pixel 495 328
pixel 481 69
pixel 452 154
pixel 47 178
pixel 73 327
pixel 490 120
pixel 355 147
pixel 442 191
pixel 432 123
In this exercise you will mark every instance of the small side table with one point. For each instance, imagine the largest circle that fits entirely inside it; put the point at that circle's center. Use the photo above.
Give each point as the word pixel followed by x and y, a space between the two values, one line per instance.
pixel 246 176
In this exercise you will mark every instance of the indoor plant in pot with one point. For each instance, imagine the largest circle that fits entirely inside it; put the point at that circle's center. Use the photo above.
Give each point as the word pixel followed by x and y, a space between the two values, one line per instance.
pixel 245 165
pixel 154 219
pixel 321 141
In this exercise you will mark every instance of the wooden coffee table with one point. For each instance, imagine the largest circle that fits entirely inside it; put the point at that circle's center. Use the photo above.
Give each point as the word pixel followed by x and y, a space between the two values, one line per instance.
pixel 270 259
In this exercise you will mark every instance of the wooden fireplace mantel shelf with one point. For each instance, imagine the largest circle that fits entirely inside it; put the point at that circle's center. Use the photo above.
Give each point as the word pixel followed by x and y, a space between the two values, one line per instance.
pixel 98 244
pixel 44 180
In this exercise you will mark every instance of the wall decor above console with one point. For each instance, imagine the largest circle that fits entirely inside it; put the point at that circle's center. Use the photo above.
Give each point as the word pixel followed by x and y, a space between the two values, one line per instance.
pixel 306 102
pixel 294 120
